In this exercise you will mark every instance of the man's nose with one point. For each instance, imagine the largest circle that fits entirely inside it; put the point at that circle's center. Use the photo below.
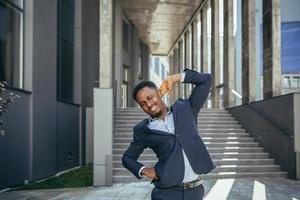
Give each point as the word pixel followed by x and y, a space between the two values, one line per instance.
pixel 149 104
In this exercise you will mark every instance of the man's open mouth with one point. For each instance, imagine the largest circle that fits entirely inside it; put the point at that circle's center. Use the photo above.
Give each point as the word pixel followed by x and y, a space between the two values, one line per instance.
pixel 153 109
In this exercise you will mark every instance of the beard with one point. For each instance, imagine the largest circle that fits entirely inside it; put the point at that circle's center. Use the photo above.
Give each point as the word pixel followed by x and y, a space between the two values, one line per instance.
pixel 156 115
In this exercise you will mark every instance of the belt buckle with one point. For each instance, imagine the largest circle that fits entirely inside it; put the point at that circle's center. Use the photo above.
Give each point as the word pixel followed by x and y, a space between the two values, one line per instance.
pixel 192 184
pixel 188 185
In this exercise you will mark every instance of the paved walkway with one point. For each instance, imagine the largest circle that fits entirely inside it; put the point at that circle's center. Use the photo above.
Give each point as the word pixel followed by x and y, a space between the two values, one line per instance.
pixel 235 189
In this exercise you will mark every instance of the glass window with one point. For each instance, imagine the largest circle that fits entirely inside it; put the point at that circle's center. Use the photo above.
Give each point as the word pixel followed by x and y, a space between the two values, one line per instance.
pixel 290 47
pixel 156 63
pixel 65 57
pixel 286 82
pixel 163 71
pixel 298 81
pixel 125 35
pixel 11 44
pixel 17 3
pixel 295 82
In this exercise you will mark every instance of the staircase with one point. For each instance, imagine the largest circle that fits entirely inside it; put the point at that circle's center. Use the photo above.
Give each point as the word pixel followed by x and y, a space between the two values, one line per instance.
pixel 234 152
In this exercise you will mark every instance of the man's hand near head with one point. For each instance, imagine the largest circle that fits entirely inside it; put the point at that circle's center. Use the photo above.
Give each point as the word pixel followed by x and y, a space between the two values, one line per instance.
pixel 168 83
pixel 149 172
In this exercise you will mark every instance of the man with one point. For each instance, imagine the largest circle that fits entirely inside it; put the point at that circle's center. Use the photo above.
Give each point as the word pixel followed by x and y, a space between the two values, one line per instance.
pixel 172 134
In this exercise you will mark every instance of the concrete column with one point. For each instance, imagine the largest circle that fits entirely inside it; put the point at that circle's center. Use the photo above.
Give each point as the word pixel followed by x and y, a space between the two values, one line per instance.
pixel 118 50
pixel 103 114
pixel 248 51
pixel 187 60
pixel 204 43
pixel 238 52
pixel 215 52
pixel 204 47
pixel 103 101
pixel 272 48
pixel 229 99
pixel 187 44
pixel 171 71
pixel 194 44
pixel 180 67
pixel 176 70
pixel 106 23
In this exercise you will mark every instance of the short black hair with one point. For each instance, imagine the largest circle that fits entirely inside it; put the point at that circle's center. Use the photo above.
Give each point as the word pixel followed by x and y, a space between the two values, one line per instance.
pixel 140 86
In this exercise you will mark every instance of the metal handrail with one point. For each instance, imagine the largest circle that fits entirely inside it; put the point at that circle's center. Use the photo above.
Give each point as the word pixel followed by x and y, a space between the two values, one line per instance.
pixel 114 87
pixel 274 122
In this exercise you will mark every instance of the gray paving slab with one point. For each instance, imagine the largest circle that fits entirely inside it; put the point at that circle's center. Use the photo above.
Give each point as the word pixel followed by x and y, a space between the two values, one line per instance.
pixel 219 189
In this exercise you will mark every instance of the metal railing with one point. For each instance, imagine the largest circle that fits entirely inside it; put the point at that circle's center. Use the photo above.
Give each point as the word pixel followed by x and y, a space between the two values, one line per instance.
pixel 114 86
pixel 263 114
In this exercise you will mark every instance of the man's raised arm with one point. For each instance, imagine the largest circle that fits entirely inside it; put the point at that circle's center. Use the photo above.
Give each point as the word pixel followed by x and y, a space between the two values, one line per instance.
pixel 200 92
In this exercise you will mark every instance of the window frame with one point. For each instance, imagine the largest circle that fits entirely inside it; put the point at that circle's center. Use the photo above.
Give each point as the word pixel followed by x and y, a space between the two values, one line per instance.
pixel 20 10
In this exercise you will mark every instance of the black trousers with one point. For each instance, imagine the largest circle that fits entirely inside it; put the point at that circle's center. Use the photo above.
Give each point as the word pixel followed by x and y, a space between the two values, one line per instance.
pixel 178 193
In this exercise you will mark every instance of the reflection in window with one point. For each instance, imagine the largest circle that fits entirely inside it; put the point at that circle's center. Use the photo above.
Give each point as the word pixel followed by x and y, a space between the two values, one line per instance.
pixel 290 47
pixel 65 57
pixel 125 36
pixel 17 3
pixel 11 40
pixel 163 68
pixel 156 64
pixel 286 82
pixel 295 82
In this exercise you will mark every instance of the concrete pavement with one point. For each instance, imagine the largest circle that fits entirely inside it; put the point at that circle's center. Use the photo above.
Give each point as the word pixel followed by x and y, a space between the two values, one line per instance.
pixel 220 189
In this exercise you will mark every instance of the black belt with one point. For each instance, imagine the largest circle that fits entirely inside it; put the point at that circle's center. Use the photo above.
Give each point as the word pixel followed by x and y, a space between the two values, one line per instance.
pixel 185 186
pixel 192 184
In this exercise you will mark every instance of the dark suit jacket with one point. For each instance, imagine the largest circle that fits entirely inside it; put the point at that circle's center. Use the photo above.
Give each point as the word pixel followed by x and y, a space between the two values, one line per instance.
pixel 168 147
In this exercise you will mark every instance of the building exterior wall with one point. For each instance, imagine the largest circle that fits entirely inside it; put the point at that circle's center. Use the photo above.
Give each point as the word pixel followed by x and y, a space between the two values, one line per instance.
pixel 43 97
pixel 50 135
pixel 15 146
pixel 131 58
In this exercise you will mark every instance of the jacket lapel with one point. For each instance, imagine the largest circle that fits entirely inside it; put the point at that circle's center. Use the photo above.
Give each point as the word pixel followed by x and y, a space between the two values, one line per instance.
pixel 175 116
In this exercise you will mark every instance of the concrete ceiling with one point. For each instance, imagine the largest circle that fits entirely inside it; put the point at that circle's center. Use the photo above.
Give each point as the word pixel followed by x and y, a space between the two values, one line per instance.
pixel 159 22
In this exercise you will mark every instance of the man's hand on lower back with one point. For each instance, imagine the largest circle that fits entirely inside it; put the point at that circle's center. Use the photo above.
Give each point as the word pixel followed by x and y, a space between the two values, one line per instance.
pixel 149 172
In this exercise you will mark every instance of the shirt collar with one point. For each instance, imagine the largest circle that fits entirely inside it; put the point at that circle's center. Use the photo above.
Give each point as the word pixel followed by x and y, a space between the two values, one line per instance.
pixel 154 119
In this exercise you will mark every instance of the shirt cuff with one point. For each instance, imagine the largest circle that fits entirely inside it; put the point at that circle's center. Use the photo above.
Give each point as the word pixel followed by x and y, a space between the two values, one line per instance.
pixel 140 171
pixel 182 77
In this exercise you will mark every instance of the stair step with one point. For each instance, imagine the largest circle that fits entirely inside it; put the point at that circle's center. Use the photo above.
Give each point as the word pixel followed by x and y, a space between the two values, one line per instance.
pixel 210 150
pixel 205 139
pixel 200 126
pixel 217 135
pixel 200 120
pixel 218 162
pixel 233 150
pixel 208 117
pixel 133 122
pixel 222 175
pixel 206 130
pixel 139 110
pixel 223 168
pixel 208 144
pixel 213 156
pixel 200 114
